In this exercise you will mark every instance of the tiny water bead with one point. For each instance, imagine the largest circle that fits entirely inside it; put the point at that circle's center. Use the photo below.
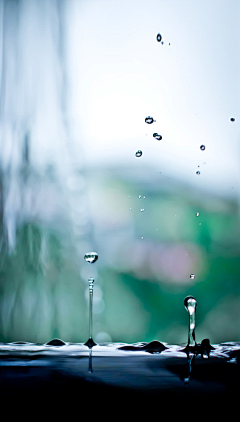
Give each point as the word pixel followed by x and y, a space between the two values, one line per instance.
pixel 91 257
pixel 139 196
pixel 198 172
pixel 202 147
pixel 138 153
pixel 157 136
pixel 197 214
pixel 192 276
pixel 232 119
pixel 141 210
pixel 159 37
pixel 149 120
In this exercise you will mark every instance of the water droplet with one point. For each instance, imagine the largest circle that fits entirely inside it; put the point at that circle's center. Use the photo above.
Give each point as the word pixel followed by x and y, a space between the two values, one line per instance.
pixel 159 37
pixel 157 136
pixel 130 209
pixel 139 196
pixel 198 172
pixel 232 119
pixel 149 120
pixel 162 42
pixel 200 224
pixel 197 214
pixel 144 197
pixel 138 153
pixel 190 303
pixel 91 257
pixel 142 237
pixel 192 276
pixel 202 147
pixel 141 210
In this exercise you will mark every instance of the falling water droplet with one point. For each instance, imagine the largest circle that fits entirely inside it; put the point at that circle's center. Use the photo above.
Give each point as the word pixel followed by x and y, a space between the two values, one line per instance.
pixel 232 119
pixel 159 37
pixel 157 136
pixel 197 214
pixel 149 120
pixel 192 276
pixel 142 210
pixel 198 172
pixel 91 257
pixel 138 153
pixel 202 147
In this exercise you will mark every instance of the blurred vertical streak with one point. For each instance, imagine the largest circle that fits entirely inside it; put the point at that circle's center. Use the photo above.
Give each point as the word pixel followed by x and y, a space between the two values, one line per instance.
pixel 45 227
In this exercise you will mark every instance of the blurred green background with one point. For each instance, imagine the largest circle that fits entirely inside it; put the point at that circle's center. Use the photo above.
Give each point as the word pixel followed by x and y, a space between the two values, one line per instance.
pixel 77 79
pixel 142 274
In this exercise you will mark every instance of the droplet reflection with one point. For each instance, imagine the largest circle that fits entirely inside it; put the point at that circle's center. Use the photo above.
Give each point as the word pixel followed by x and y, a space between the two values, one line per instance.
pixel 138 153
pixel 159 37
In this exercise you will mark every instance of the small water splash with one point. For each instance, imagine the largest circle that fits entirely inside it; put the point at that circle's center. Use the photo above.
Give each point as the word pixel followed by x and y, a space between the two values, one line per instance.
pixel 138 153
pixel 149 120
pixel 91 257
pixel 202 147
pixel 190 304
pixel 157 136
pixel 159 37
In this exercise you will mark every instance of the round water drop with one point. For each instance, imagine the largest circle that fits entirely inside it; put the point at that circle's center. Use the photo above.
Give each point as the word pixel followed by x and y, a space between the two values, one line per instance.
pixel 192 276
pixel 232 119
pixel 157 136
pixel 159 37
pixel 139 196
pixel 138 153
pixel 198 172
pixel 142 210
pixel 202 147
pixel 149 120
pixel 197 214
pixel 91 257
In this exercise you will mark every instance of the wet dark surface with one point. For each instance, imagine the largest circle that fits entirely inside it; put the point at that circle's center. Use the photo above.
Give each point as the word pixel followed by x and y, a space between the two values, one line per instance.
pixel 139 374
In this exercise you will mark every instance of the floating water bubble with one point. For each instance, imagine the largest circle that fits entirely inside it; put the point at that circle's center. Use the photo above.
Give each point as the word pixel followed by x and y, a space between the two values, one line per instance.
pixel 157 136
pixel 190 304
pixel 197 214
pixel 202 147
pixel 91 257
pixel 198 172
pixel 232 119
pixel 138 153
pixel 192 276
pixel 149 120
pixel 159 37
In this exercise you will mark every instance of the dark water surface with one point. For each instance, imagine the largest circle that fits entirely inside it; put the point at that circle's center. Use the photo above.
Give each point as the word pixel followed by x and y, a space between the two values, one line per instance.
pixel 140 374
